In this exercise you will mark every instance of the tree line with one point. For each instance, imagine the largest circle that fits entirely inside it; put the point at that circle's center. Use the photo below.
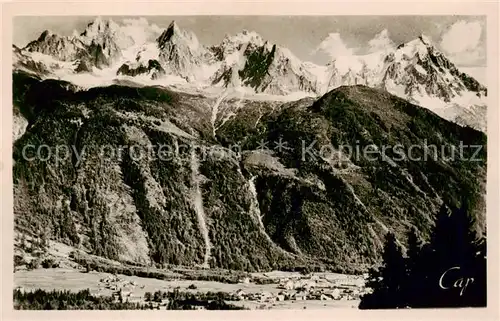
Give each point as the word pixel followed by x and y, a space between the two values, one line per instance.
pixel 84 300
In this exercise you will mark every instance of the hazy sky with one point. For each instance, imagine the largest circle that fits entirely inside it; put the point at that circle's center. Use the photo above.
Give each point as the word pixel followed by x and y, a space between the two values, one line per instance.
pixel 311 38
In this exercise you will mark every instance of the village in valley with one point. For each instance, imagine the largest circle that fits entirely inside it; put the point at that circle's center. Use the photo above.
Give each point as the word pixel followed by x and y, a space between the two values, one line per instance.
pixel 63 268
pixel 312 287
pixel 293 288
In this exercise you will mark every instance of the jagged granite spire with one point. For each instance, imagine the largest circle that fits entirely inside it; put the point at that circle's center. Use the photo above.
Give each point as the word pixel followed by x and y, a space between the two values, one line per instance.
pixel 168 33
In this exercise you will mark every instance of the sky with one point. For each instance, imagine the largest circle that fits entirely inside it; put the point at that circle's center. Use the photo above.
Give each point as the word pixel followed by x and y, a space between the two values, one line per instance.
pixel 311 38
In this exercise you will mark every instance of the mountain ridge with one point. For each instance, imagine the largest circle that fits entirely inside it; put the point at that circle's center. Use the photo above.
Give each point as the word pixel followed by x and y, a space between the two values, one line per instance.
pixel 415 71
pixel 210 205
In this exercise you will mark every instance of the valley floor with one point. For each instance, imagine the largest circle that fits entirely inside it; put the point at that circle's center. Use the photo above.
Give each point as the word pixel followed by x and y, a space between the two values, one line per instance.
pixel 249 294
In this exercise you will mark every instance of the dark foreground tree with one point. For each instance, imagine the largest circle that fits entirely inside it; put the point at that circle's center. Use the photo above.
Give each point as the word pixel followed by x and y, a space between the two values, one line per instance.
pixel 449 271
pixel 387 281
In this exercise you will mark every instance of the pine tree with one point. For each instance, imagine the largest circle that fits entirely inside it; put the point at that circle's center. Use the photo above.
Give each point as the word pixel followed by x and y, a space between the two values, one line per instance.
pixel 477 294
pixel 414 285
pixel 423 278
pixel 452 246
pixel 387 282
pixel 448 267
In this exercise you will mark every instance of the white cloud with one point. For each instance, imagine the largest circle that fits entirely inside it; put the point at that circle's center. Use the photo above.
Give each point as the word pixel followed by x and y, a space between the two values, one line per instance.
pixel 142 22
pixel 334 46
pixel 462 41
pixel 461 36
pixel 478 73
pixel 381 41
pixel 140 29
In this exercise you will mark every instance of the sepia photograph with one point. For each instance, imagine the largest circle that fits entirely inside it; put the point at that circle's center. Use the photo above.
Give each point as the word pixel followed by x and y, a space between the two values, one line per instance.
pixel 267 162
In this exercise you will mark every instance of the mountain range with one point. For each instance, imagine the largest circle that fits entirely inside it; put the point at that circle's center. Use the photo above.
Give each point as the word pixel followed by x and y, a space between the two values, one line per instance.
pixel 107 51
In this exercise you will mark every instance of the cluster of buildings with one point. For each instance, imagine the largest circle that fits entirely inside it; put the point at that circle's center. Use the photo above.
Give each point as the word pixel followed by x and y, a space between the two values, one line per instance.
pixel 122 290
pixel 299 289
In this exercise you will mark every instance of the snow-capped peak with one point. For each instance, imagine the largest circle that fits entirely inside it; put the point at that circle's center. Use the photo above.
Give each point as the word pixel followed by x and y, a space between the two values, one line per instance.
pixel 244 36
pixel 106 32
pixel 174 26
pixel 99 27
pixel 233 43
pixel 415 70
pixel 168 33
pixel 174 34
pixel 181 53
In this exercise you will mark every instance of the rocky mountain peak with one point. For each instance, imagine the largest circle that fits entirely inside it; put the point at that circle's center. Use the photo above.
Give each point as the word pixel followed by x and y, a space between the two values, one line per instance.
pixel 178 36
pixel 102 31
pixel 243 37
pixel 180 51
pixel 415 70
pixel 44 35
pixel 168 33
pixel 425 40
pixel 174 26
pixel 58 47
pixel 100 26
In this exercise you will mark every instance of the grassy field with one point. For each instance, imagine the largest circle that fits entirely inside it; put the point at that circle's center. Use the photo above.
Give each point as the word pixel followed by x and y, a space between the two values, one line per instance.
pixel 76 280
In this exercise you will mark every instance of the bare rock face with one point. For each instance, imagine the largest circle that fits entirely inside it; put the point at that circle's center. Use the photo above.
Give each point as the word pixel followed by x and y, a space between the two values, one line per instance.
pixel 19 124
pixel 153 69
pixel 265 67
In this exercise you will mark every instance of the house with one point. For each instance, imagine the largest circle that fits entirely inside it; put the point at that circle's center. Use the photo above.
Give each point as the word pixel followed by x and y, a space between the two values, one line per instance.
pixel 324 297
pixel 134 299
pixel 287 285
pixel 264 296
pixel 280 297
pixel 244 280
pixel 240 294
pixel 125 293
pixel 308 284
pixel 299 296
pixel 116 296
pixel 334 294
pixel 252 297
pixel 20 289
